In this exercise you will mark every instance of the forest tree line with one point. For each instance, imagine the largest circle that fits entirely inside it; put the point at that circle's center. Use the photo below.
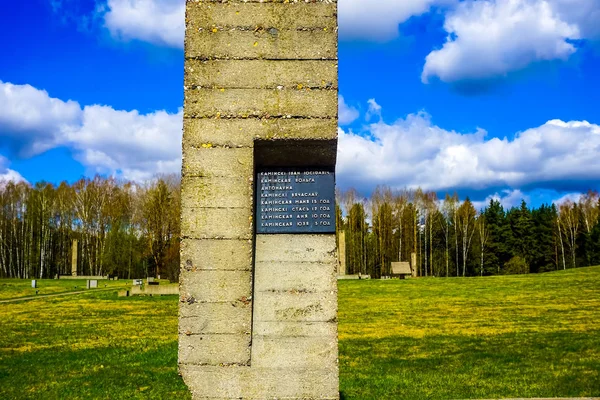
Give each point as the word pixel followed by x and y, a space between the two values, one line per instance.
pixel 132 230
pixel 122 228
pixel 451 237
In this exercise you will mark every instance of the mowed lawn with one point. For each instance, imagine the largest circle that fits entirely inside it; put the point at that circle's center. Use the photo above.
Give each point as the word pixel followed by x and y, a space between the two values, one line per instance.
pixel 525 336
pixel 497 337
pixel 14 288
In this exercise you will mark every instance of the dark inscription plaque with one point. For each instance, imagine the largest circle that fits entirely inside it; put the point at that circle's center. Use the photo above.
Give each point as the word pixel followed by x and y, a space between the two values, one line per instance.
pixel 295 201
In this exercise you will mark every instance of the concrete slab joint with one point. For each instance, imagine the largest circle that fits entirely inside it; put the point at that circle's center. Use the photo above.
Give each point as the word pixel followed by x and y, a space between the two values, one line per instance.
pixel 258 313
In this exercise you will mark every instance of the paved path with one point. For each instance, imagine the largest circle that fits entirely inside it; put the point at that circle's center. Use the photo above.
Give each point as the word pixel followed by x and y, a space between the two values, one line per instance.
pixel 41 296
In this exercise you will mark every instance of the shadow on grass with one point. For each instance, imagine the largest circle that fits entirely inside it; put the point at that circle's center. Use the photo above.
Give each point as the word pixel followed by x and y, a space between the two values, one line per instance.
pixel 564 364
pixel 138 372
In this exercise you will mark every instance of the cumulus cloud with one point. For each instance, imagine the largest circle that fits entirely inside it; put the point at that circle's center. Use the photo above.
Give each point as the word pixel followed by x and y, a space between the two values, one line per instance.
pixel 508 198
pixel 159 22
pixel 135 146
pixel 7 174
pixel 126 143
pixel 583 13
pixel 569 197
pixel 32 122
pixel 346 113
pixel 488 39
pixel 379 20
pixel 413 152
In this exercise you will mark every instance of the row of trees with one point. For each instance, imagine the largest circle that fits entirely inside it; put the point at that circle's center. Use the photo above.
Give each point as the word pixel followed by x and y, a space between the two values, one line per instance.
pixel 122 229
pixel 132 230
pixel 451 238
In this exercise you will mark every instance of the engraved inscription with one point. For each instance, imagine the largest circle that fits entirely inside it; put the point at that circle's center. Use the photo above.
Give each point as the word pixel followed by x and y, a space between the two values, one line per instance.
pixel 295 201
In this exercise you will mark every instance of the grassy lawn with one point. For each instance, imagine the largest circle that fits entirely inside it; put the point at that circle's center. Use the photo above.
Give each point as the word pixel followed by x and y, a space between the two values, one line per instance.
pixel 14 288
pixel 514 336
pixel 527 336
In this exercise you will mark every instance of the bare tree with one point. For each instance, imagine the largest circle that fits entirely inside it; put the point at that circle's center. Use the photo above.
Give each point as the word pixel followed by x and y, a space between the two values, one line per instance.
pixel 484 235
pixel 466 221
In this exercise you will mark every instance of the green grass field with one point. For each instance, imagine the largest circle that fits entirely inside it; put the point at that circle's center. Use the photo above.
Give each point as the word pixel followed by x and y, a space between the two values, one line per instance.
pixel 13 289
pixel 521 336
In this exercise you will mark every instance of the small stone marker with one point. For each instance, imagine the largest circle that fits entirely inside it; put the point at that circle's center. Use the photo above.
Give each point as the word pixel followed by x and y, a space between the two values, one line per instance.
pixel 92 284
pixel 34 284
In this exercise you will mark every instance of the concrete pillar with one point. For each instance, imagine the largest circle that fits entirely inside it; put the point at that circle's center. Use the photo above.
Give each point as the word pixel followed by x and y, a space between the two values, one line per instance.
pixel 257 312
pixel 342 253
pixel 74 258
pixel 413 264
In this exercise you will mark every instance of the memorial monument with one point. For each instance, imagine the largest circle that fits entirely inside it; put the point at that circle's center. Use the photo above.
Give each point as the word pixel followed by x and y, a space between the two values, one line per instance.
pixel 258 288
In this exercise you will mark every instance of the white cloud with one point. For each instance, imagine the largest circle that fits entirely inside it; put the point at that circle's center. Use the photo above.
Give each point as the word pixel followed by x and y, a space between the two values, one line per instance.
pixel 137 146
pixel 374 110
pixel 31 121
pixel 159 22
pixel 125 143
pixel 489 39
pixel 413 152
pixel 379 20
pixel 508 199
pixel 572 197
pixel 346 113
pixel 583 13
pixel 7 174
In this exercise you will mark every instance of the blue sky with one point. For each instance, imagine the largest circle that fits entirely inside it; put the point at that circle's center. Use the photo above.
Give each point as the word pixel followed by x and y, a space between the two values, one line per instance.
pixel 493 98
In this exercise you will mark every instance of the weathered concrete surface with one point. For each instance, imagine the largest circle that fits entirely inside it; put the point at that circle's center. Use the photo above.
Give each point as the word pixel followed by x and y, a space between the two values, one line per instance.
pixel 258 315
pixel 216 162
pixel 212 192
pixel 215 318
pixel 252 74
pixel 215 349
pixel 225 255
pixel 217 223
pixel 236 382
pixel 250 15
pixel 285 45
pixel 215 286
pixel 243 132
pixel 244 103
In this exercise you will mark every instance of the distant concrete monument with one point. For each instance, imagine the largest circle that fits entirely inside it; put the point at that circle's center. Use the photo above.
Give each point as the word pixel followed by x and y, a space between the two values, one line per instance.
pixel 74 258
pixel 401 270
pixel 342 253
pixel 258 288
pixel 413 264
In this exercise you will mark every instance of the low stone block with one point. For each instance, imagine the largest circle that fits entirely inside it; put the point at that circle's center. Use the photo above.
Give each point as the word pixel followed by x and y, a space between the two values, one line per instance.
pixel 295 329
pixel 294 352
pixel 216 223
pixel 216 192
pixel 219 318
pixel 295 307
pixel 214 349
pixel 265 74
pixel 243 132
pixel 244 103
pixel 305 248
pixel 263 44
pixel 261 383
pixel 294 277
pixel 262 14
pixel 209 254
pixel 217 162
pixel 215 286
